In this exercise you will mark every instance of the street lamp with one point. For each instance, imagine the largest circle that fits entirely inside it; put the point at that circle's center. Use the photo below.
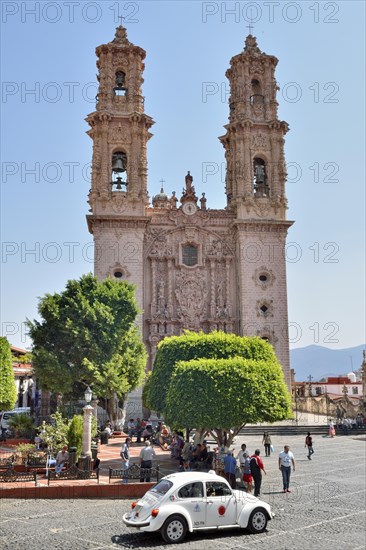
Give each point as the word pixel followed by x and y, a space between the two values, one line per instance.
pixel 94 403
pixel 86 446
pixel 88 394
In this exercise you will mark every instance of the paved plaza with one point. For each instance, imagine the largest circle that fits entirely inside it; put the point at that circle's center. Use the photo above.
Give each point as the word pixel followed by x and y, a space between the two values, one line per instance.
pixel 326 509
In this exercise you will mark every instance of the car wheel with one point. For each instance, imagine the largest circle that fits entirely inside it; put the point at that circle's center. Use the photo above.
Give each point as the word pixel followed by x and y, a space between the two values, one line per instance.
pixel 258 521
pixel 174 529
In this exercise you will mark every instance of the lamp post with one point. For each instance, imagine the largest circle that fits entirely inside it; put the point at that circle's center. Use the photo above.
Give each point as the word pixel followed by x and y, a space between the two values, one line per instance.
pixel 86 446
pixel 94 403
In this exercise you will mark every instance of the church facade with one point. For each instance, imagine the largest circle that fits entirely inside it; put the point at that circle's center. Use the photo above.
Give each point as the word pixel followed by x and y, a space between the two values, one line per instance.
pixel 194 267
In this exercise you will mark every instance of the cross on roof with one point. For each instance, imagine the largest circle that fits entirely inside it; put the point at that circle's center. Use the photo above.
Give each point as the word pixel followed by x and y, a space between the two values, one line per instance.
pixel 250 27
pixel 121 18
pixel 162 181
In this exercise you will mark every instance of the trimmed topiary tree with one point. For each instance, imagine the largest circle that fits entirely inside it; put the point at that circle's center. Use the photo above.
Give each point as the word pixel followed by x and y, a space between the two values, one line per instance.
pixel 8 390
pixel 222 395
pixel 193 345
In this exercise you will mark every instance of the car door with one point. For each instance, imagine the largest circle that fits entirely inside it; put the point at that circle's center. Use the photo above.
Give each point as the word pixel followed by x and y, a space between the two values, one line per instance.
pixel 221 505
pixel 191 497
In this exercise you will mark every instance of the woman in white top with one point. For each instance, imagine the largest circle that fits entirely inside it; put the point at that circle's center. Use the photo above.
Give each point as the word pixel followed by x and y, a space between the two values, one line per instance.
pixel 240 456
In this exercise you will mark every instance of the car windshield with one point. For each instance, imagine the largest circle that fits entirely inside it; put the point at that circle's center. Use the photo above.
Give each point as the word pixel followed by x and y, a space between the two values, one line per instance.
pixel 162 487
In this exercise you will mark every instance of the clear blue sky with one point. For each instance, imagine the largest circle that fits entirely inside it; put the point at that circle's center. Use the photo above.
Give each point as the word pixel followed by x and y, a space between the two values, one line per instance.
pixel 49 47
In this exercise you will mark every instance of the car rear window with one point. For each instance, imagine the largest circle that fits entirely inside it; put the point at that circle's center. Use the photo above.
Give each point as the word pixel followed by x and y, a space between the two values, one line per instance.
pixel 162 487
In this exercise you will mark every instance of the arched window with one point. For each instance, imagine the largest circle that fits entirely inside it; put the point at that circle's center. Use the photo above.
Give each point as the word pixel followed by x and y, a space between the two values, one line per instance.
pixel 257 96
pixel 260 183
pixel 119 88
pixel 119 171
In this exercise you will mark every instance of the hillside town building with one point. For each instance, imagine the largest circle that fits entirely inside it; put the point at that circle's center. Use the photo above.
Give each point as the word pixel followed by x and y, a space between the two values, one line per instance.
pixel 194 267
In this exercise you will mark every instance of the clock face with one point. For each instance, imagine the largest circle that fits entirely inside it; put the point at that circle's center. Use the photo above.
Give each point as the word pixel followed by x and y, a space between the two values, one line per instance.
pixel 189 208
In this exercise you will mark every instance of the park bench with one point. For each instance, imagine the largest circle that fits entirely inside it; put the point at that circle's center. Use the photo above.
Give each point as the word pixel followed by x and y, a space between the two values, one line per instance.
pixel 134 472
pixel 9 475
pixel 7 462
pixel 36 461
pixel 73 473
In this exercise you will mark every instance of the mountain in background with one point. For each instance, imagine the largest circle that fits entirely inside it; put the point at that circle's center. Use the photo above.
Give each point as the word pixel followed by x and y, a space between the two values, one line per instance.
pixel 321 362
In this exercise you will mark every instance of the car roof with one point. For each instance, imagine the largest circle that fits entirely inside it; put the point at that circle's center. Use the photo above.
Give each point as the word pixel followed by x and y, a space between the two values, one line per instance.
pixel 186 477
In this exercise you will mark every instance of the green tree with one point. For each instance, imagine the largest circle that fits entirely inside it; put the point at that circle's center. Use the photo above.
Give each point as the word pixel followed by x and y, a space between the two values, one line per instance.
pixel 8 391
pixel 75 432
pixel 87 337
pixel 222 395
pixel 22 424
pixel 54 435
pixel 193 345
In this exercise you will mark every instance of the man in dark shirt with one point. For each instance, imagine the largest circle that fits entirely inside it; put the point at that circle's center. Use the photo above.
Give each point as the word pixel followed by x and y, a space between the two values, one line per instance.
pixel 256 468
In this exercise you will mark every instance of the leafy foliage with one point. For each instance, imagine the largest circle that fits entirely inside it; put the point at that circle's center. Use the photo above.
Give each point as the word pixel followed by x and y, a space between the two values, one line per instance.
pixel 193 345
pixel 26 358
pixel 22 424
pixel 75 432
pixel 226 393
pixel 55 435
pixel 24 448
pixel 87 337
pixel 8 392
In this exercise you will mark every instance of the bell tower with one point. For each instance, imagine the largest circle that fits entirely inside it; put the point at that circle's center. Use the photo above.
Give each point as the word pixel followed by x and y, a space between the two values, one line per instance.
pixel 254 139
pixel 255 190
pixel 119 129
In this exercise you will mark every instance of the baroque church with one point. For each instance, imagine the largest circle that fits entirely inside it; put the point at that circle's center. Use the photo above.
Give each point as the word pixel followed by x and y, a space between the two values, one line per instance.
pixel 194 267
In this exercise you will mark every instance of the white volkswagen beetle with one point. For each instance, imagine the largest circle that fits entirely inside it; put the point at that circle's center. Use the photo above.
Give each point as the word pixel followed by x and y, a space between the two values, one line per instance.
pixel 191 501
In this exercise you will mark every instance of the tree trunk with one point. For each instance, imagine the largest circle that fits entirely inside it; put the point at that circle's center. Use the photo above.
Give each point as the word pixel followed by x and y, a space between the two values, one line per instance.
pixel 117 412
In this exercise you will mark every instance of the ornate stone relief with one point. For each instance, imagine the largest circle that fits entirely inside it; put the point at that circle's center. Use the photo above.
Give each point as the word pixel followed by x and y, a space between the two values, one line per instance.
pixel 119 202
pixel 190 293
pixel 260 141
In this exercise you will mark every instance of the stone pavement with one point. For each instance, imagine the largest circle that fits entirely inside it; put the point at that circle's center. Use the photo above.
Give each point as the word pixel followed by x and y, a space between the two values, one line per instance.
pixel 326 509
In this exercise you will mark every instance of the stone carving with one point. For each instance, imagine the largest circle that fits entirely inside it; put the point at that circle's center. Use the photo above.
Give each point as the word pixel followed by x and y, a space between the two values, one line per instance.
pixel 256 68
pixel 260 141
pixel 190 294
pixel 264 308
pixel 161 247
pixel 218 248
pixel 258 110
pixel 119 135
pixel 190 233
pixel 119 202
pixel 264 277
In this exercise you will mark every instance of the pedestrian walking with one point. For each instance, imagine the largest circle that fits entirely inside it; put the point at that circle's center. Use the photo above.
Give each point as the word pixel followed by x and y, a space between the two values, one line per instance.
pixel 146 456
pixel 256 469
pixel 309 445
pixel 125 456
pixel 267 443
pixel 230 469
pixel 285 460
pixel 331 431
pixel 247 476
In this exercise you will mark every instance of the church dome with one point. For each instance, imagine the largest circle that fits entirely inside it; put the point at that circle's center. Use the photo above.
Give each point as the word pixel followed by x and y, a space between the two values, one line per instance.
pixel 160 200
